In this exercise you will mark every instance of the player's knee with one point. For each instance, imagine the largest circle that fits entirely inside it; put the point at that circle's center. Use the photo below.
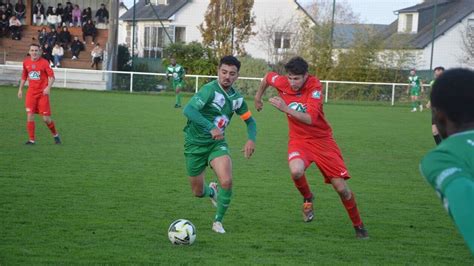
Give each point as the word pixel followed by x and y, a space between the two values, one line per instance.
pixel 47 119
pixel 296 173
pixel 344 193
pixel 226 184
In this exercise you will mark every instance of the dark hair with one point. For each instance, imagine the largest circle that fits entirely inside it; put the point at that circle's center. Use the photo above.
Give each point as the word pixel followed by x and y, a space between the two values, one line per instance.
pixel 231 61
pixel 296 66
pixel 439 68
pixel 36 45
pixel 453 94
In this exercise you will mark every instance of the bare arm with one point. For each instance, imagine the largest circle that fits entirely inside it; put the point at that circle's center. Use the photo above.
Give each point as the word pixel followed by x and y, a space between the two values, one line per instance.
pixel 281 105
pixel 261 90
pixel 20 89
pixel 47 90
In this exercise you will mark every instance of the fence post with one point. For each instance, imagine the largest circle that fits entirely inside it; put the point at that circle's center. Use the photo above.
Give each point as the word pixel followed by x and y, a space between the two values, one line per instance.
pixel 393 94
pixel 197 85
pixel 65 77
pixel 327 92
pixel 131 82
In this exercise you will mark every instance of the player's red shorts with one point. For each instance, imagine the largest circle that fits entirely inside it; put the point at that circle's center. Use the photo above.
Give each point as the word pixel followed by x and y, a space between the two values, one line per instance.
pixel 324 152
pixel 37 104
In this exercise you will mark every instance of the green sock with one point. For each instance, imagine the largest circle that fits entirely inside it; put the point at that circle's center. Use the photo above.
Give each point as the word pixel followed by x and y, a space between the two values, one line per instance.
pixel 178 98
pixel 223 200
pixel 413 105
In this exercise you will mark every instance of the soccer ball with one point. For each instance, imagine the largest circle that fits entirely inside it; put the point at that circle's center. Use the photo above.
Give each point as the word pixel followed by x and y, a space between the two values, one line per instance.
pixel 182 232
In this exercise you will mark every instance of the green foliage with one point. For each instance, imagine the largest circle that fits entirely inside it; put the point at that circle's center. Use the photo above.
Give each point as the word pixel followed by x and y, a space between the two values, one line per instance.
pixel 251 67
pixel 123 58
pixel 228 26
pixel 109 193
pixel 195 58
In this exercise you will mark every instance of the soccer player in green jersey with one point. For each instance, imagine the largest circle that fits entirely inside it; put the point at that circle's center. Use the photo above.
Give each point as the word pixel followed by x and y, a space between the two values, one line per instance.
pixel 209 113
pixel 415 88
pixel 437 73
pixel 449 168
pixel 177 73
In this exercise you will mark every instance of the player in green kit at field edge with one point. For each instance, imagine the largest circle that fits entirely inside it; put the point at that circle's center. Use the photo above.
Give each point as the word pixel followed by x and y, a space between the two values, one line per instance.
pixel 415 89
pixel 209 113
pixel 177 74
pixel 450 167
pixel 437 73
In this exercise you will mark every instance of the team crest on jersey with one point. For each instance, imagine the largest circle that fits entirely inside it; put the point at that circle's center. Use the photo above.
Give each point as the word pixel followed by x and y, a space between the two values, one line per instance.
pixel 299 107
pixel 219 101
pixel 221 122
pixel 316 95
pixel 34 75
pixel 236 104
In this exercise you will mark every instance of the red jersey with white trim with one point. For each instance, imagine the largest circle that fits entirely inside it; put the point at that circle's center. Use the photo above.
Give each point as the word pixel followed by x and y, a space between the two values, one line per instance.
pixel 307 100
pixel 37 73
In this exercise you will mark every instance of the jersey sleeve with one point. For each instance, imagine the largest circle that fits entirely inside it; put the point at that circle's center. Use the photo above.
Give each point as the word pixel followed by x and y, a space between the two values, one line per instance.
pixel 314 101
pixel 275 80
pixel 199 100
pixel 24 74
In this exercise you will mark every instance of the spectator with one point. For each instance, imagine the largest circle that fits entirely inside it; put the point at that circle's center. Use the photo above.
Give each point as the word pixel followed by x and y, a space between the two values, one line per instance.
pixel 52 37
pixel 60 11
pixel 96 54
pixel 19 10
pixel 9 10
pixel 76 16
pixel 15 28
pixel 3 9
pixel 67 17
pixel 58 53
pixel 47 53
pixel 89 30
pixel 102 14
pixel 53 18
pixel 86 14
pixel 64 38
pixel 3 25
pixel 76 47
pixel 38 13
pixel 43 36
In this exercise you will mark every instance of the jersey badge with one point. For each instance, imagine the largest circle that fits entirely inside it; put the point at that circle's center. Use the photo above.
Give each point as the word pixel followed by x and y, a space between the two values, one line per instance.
pixel 219 101
pixel 316 95
pixel 236 104
pixel 34 75
pixel 299 107
pixel 221 122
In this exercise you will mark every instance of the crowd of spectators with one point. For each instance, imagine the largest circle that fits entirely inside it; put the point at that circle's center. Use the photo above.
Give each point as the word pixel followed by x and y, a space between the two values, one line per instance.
pixel 55 37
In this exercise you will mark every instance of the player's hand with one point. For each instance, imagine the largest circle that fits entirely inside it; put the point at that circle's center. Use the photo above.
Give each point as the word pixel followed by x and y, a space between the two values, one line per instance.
pixel 46 91
pixel 279 103
pixel 217 134
pixel 20 94
pixel 258 105
pixel 249 148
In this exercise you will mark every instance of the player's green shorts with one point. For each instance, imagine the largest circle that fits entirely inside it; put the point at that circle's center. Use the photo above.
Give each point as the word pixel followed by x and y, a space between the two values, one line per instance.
pixel 198 157
pixel 415 92
pixel 178 84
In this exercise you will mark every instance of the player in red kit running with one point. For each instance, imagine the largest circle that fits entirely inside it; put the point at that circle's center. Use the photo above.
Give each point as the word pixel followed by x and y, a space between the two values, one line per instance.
pixel 40 78
pixel 310 136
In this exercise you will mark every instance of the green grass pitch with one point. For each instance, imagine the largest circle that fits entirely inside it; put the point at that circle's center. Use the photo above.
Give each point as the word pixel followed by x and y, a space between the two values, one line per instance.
pixel 109 193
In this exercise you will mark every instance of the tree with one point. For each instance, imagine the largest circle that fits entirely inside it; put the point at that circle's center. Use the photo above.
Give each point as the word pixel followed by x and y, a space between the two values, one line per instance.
pixel 228 26
pixel 195 58
pixel 468 45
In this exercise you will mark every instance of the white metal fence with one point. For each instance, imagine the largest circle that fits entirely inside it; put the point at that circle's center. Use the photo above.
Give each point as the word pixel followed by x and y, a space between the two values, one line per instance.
pixel 155 82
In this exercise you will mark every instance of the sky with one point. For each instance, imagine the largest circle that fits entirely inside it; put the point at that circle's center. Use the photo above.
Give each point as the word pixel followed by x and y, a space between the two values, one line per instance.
pixel 369 11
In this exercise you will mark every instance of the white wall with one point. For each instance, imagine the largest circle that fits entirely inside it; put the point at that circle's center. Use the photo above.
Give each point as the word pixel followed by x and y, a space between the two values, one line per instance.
pixel 448 49
pixel 122 30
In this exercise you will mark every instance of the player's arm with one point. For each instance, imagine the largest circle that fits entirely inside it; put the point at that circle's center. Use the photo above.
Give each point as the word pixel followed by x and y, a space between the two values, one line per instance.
pixel 246 116
pixel 51 79
pixel 24 77
pixel 280 104
pixel 192 112
pixel 261 90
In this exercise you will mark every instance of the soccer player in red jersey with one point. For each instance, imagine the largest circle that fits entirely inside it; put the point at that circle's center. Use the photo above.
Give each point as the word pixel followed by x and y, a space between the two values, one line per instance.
pixel 310 136
pixel 40 78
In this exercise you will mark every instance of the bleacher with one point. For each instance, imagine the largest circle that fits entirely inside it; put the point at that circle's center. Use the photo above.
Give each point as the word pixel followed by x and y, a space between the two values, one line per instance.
pixel 13 51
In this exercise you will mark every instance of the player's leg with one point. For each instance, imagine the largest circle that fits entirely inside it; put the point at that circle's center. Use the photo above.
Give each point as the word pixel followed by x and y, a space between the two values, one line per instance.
pixel 196 163
pixel 178 94
pixel 332 166
pixel 222 166
pixel 45 110
pixel 298 164
pixel 413 102
pixel 31 104
pixel 434 130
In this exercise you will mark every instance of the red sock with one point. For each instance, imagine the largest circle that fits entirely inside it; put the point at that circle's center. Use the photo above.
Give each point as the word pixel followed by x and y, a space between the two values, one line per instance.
pixel 302 185
pixel 52 128
pixel 351 207
pixel 30 126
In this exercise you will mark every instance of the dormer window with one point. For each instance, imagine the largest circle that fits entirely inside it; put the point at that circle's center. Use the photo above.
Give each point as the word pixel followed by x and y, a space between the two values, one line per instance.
pixel 156 2
pixel 408 22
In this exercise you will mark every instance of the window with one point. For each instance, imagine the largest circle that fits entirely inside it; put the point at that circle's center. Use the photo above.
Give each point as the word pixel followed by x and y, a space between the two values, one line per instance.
pixel 282 40
pixel 155 40
pixel 409 24
pixel 180 34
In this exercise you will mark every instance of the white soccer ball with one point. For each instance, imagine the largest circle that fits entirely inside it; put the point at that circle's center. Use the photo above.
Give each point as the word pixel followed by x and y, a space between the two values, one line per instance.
pixel 182 232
